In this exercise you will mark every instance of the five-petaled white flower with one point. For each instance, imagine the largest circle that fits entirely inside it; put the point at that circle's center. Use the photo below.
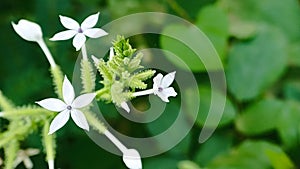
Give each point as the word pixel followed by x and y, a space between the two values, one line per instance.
pixel 79 31
pixel 69 107
pixel 161 87
pixel 23 156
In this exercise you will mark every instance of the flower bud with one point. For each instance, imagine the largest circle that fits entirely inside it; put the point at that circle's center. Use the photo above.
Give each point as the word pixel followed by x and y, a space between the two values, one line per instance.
pixel 28 30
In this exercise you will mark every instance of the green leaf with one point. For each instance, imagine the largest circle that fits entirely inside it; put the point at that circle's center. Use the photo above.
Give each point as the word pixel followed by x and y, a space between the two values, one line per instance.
pixel 214 146
pixel 288 124
pixel 250 155
pixel 160 163
pixel 213 22
pixel 187 165
pixel 279 160
pixel 229 112
pixel 291 90
pixel 191 46
pixel 294 54
pixel 282 14
pixel 255 65
pixel 260 117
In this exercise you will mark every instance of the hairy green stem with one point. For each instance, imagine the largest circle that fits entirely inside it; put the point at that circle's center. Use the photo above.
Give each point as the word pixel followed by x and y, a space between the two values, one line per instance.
pixel 17 113
pixel 5 103
pixel 11 151
pixel 95 122
pixel 57 78
pixel 12 134
pixel 49 144
pixel 88 76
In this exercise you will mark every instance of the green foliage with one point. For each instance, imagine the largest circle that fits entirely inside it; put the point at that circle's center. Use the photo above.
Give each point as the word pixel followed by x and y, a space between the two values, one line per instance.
pixel 257 42
pixel 121 74
pixel 260 117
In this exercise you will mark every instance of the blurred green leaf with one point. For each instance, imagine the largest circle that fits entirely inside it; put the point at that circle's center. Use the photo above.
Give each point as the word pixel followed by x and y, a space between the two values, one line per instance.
pixel 189 37
pixel 279 159
pixel 260 117
pixel 294 54
pixel 187 165
pixel 229 112
pixel 291 90
pixel 254 65
pixel 216 145
pixel 160 162
pixel 282 14
pixel 250 155
pixel 289 124
pixel 213 22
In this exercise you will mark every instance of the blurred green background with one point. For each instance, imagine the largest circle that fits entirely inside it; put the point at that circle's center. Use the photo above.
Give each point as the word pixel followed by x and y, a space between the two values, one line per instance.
pixel 257 40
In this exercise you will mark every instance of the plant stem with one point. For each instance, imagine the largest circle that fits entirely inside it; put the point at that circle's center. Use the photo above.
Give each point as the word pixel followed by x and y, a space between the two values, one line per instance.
pixel 25 112
pixel 116 142
pixel 178 9
pixel 95 122
pixel 46 52
pixel 49 145
pixel 142 93
pixel 84 53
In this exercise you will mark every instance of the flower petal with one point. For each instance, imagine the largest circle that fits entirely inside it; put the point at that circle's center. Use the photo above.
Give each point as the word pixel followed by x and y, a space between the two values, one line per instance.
pixel 90 21
pixel 132 159
pixel 28 30
pixel 166 93
pixel 95 32
pixel 69 23
pixel 168 79
pixel 157 81
pixel 27 162
pixel 52 104
pixel 83 100
pixel 59 121
pixel 64 35
pixel 68 91
pixel 111 53
pixel 78 41
pixel 162 96
pixel 79 118
pixel 125 106
pixel 169 92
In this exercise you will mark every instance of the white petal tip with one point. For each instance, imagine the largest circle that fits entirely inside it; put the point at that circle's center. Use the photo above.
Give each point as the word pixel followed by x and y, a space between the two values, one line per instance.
pixel 51 164
pixel 96 60
pixel 125 106
pixel 132 159
pixel 1 114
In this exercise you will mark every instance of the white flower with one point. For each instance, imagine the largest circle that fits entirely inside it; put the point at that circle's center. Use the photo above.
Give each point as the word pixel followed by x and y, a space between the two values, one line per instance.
pixel 69 107
pixel 132 159
pixel 161 87
pixel 23 156
pixel 79 31
pixel 28 30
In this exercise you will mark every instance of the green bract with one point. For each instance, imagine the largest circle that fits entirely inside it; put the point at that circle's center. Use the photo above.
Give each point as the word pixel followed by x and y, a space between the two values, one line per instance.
pixel 123 74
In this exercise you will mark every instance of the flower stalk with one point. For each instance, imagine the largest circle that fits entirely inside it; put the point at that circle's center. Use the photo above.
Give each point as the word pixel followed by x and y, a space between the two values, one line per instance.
pixel 49 144
pixel 47 53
